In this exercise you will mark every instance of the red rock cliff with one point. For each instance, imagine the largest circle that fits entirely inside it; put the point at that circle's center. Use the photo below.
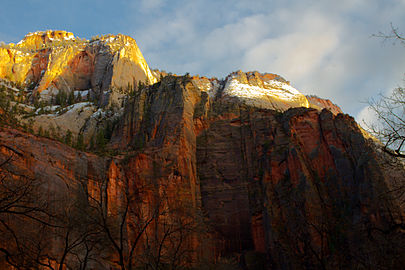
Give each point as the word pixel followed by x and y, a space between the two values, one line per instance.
pixel 199 179
pixel 276 183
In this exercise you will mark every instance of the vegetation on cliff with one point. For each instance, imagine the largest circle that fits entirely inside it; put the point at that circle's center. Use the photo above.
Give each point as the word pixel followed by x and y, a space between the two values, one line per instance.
pixel 186 172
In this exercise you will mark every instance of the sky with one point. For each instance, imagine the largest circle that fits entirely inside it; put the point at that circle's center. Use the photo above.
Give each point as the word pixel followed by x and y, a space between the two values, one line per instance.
pixel 325 48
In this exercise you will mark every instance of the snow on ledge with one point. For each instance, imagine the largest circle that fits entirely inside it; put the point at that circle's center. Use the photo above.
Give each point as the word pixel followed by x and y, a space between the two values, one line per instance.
pixel 274 94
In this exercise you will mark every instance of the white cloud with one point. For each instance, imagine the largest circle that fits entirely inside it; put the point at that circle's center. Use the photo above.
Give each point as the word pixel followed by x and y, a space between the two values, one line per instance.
pixel 235 37
pixel 322 47
pixel 367 118
pixel 296 55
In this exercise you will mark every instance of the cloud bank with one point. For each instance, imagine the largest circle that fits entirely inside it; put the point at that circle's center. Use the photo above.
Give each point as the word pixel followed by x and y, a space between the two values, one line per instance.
pixel 323 48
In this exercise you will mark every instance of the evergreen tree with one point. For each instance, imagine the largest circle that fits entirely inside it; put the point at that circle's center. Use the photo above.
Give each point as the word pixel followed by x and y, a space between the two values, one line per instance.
pixel 100 140
pixel 68 137
pixel 30 126
pixel 92 143
pixel 61 98
pixel 52 131
pixel 14 109
pixel 140 86
pixel 79 98
pixel 80 142
pixel 130 89
pixel 108 131
pixel 71 98
pixel 40 131
pixel 46 133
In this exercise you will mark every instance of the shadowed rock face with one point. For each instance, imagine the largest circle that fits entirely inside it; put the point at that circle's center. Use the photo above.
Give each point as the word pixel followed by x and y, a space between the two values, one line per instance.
pixel 60 166
pixel 295 187
pixel 301 186
pixel 289 188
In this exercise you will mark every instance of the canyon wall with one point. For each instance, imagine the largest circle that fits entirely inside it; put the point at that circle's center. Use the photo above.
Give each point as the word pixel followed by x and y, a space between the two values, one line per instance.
pixel 240 173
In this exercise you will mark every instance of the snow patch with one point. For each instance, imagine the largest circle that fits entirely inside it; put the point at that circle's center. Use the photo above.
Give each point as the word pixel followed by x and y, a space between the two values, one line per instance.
pixel 9 86
pixel 47 92
pixel 35 33
pixel 77 106
pixel 109 39
pixel 82 93
pixel 212 88
pixel 99 113
pixel 26 106
pixel 274 88
pixel 48 109
pixel 282 90
pixel 69 37
pixel 274 94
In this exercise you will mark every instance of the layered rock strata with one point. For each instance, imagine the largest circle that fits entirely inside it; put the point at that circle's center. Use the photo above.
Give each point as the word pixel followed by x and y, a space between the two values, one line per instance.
pixel 244 172
pixel 57 60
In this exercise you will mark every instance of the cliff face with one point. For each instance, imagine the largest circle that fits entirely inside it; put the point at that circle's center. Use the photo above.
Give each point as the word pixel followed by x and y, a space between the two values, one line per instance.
pixel 268 91
pixel 55 163
pixel 284 189
pixel 68 84
pixel 275 183
pixel 320 103
pixel 244 173
pixel 58 60
pixel 54 69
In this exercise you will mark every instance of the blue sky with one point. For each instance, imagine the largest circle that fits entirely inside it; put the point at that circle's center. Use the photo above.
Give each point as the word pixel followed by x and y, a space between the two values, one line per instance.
pixel 322 47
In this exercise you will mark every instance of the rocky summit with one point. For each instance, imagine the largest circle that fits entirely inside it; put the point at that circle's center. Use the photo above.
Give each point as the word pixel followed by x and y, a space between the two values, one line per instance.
pixel 106 164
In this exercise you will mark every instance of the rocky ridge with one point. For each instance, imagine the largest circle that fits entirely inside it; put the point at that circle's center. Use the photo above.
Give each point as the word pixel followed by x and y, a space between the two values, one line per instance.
pixel 72 85
pixel 51 64
pixel 247 172
pixel 57 60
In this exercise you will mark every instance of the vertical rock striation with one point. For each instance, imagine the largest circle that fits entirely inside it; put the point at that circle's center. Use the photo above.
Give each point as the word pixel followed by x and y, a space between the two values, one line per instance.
pixel 202 171
pixel 57 60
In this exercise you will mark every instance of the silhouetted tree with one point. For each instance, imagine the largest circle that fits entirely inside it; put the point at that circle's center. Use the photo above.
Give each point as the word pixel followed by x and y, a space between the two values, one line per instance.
pixel 390 111
pixel 24 214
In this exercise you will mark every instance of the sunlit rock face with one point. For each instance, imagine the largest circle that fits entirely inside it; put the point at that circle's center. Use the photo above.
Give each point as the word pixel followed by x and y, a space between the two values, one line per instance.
pixel 57 60
pixel 15 64
pixel 267 91
pixel 272 178
pixel 38 40
pixel 104 70
pixel 320 103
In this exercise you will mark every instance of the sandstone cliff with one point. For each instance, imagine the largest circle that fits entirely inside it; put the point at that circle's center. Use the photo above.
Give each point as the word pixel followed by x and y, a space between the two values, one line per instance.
pixel 276 183
pixel 320 103
pixel 54 69
pixel 240 173
pixel 57 60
